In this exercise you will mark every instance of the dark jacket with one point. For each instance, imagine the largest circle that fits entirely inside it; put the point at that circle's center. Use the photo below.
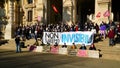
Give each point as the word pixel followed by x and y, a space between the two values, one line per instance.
pixel 111 34
pixel 17 40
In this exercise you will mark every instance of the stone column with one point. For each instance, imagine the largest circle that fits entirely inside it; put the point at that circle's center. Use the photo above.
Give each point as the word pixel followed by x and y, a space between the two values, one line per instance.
pixel 102 6
pixel 69 11
pixel 8 30
pixel 44 11
pixel 73 10
pixel 39 11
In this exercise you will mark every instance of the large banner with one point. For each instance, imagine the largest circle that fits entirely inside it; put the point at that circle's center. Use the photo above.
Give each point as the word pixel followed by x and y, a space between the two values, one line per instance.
pixel 68 37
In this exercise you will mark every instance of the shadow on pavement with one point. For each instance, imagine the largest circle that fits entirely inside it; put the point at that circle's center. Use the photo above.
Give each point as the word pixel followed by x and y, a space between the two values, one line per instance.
pixel 2 42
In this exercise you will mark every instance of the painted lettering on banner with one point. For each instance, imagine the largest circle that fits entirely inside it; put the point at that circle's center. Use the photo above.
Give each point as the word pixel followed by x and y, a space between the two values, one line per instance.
pixel 77 38
pixel 51 37
pixel 68 37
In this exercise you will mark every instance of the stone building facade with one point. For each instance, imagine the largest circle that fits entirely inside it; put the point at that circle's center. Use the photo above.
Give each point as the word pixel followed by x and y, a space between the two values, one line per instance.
pixel 28 12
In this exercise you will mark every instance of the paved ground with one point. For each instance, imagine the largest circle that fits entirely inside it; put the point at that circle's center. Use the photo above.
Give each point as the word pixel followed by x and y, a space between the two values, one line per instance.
pixel 10 59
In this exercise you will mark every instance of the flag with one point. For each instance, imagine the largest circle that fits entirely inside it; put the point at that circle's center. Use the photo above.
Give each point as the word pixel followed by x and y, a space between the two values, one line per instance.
pixel 54 8
pixel 98 14
pixel 107 13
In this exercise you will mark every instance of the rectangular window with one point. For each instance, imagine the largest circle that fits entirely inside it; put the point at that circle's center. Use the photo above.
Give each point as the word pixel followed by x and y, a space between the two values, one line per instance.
pixel 30 1
pixel 30 16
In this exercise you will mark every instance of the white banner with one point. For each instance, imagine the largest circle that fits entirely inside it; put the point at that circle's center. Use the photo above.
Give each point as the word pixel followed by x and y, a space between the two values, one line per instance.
pixel 68 37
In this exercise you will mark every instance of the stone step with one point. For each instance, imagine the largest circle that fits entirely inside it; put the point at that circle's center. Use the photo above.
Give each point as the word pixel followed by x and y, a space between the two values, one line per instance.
pixel 111 57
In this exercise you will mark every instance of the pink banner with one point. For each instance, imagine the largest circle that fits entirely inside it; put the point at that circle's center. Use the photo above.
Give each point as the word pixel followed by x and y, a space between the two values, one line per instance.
pixel 54 49
pixel 82 53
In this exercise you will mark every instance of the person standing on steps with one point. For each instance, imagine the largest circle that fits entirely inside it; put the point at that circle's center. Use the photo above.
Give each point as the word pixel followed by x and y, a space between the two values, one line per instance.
pixel 17 42
pixel 111 36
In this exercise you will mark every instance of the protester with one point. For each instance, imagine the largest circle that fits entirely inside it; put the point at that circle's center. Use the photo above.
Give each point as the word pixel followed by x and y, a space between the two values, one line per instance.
pixel 118 32
pixel 64 46
pixel 56 44
pixel 83 47
pixel 17 41
pixel 102 30
pixel 92 47
pixel 111 36
pixel 73 46
pixel 32 47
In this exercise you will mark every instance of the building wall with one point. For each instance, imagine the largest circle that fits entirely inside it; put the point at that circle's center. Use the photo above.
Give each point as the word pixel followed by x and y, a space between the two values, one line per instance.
pixel 102 6
pixel 39 8
pixel 36 7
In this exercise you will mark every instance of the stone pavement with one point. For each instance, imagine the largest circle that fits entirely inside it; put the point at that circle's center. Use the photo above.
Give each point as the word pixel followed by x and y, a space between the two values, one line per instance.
pixel 10 59
pixel 107 52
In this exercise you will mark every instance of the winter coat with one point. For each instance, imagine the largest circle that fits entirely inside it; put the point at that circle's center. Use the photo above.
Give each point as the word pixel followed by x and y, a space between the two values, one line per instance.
pixel 111 34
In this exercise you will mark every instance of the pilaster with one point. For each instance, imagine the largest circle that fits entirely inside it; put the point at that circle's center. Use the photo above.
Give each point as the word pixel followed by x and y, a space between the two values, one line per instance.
pixel 9 26
pixel 69 11
pixel 101 6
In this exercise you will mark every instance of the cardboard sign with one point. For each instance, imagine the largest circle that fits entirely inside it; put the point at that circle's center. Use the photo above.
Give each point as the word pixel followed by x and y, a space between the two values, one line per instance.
pixel 63 51
pixel 93 54
pixel 82 53
pixel 72 52
pixel 39 49
pixel 54 50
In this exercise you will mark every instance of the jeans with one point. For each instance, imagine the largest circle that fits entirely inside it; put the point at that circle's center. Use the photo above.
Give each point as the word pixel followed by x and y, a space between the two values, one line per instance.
pixel 18 48
pixel 111 41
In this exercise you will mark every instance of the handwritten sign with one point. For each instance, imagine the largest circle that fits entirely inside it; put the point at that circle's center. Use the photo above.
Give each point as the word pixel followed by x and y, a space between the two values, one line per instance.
pixel 54 50
pixel 63 51
pixel 39 49
pixel 93 54
pixel 72 52
pixel 82 53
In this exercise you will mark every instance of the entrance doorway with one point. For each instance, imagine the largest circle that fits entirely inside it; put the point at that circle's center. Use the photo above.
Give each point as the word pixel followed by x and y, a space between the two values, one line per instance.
pixel 84 8
pixel 54 11
pixel 115 10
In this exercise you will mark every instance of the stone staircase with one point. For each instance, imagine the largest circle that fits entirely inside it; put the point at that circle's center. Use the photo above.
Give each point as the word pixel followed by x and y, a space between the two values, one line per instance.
pixel 10 44
pixel 108 52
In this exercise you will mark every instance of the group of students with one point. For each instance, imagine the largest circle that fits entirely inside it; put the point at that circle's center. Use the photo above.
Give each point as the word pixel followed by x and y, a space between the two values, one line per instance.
pixel 32 47
pixel 83 47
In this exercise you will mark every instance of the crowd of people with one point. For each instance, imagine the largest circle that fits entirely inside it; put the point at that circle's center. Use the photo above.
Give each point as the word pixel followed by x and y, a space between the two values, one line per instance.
pixel 104 30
